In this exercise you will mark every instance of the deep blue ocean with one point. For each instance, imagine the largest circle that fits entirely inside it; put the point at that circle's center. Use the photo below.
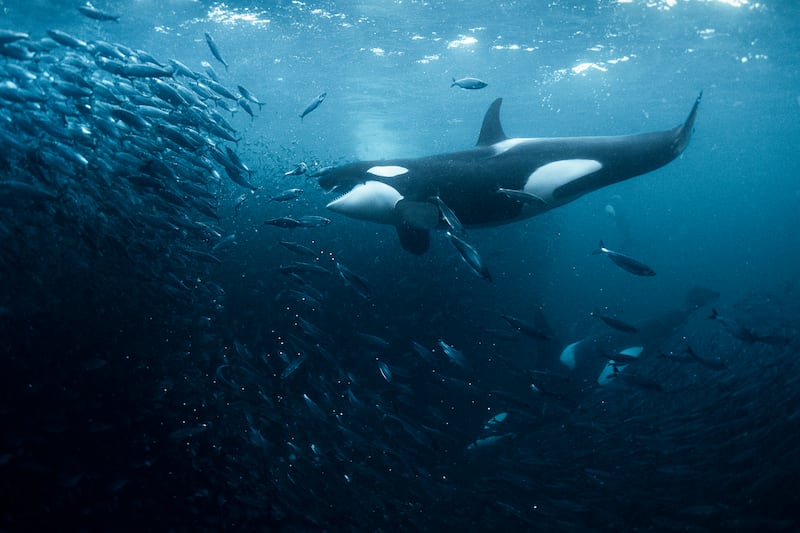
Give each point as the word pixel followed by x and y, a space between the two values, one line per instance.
pixel 175 359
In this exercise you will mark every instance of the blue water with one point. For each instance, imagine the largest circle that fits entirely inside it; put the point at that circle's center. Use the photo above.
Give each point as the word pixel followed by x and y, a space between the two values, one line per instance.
pixel 149 386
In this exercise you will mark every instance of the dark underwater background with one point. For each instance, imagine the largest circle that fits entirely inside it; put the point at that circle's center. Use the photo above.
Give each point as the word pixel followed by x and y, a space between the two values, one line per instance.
pixel 168 365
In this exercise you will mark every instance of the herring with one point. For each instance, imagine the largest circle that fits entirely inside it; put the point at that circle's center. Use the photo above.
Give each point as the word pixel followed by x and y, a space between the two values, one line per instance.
pixel 625 262
pixel 469 83
pixel 212 45
pixel 313 105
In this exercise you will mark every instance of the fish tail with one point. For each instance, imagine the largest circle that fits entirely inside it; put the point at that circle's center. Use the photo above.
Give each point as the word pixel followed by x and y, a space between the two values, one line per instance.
pixel 713 314
pixel 599 249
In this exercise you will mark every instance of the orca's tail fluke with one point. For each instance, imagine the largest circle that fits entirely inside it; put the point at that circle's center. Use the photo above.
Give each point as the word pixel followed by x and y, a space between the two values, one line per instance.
pixel 684 132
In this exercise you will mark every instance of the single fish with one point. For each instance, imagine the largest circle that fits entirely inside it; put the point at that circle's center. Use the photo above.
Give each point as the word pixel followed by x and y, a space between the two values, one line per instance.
pixel 283 222
pixel 202 256
pixel 240 202
pixel 65 39
pixel 243 103
pixel 449 217
pixel 423 352
pixel 226 242
pixel 385 372
pixel 354 281
pixel 287 195
pixel 470 256
pixel 538 332
pixel 9 36
pixel 298 170
pixel 146 71
pixel 314 408
pixel 624 262
pixel 714 364
pixel 313 105
pixel 299 266
pixel 299 249
pixel 491 440
pixel 247 95
pixel 374 340
pixel 187 432
pixel 15 193
pixel 293 365
pixel 215 50
pixel 741 332
pixel 521 196
pixel 454 355
pixel 313 221
pixel 469 83
pixel 615 323
pixel 305 298
pixel 495 420
pixel 88 10
pixel 239 179
pixel 220 89
pixel 17 51
pixel 237 162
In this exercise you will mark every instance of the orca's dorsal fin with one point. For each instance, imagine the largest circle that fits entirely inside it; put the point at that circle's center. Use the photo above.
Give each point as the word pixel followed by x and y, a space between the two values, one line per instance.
pixel 491 130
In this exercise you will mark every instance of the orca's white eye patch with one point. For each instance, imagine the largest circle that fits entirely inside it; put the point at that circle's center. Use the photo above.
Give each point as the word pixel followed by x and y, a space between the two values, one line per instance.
pixel 387 171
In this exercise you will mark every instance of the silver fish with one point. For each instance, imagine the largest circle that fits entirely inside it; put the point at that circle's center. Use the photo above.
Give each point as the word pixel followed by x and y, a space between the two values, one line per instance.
pixel 288 194
pixel 247 95
pixel 626 263
pixel 88 10
pixel 615 323
pixel 313 105
pixel 298 170
pixel 449 217
pixel 362 287
pixel 521 196
pixel 283 222
pixel 212 45
pixel 469 83
pixel 470 256
pixel 453 354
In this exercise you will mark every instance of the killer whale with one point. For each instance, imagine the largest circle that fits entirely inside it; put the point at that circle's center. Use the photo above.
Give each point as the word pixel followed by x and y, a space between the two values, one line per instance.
pixel 475 183
pixel 588 357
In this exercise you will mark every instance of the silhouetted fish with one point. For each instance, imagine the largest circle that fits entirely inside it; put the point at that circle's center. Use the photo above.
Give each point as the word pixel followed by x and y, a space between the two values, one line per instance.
pixel 624 262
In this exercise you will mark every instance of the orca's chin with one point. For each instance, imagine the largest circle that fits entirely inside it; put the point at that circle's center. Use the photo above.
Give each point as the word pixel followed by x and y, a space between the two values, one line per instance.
pixel 372 201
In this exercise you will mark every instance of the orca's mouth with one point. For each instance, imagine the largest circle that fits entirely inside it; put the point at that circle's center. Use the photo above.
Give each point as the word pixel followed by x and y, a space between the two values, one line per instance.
pixel 332 181
pixel 340 191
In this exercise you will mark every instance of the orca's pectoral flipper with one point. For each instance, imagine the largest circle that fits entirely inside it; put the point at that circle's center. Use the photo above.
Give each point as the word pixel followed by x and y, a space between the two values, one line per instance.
pixel 684 131
pixel 413 239
pixel 415 219
pixel 421 215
